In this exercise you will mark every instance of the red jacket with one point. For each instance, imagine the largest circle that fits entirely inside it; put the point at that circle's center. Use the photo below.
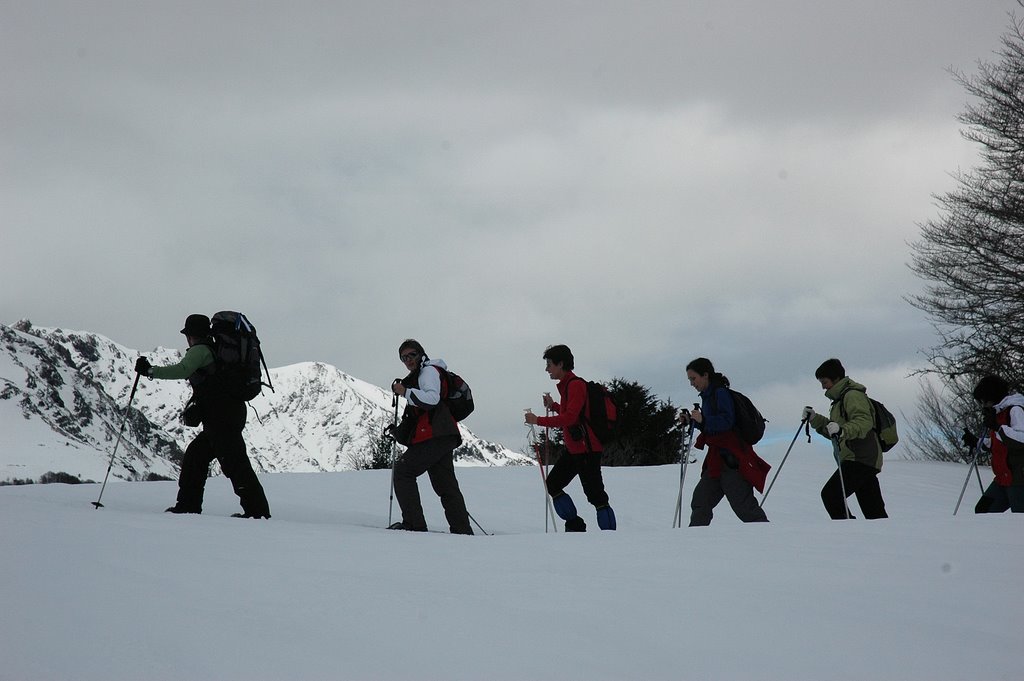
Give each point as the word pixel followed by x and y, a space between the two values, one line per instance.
pixel 1000 453
pixel 567 416
pixel 753 468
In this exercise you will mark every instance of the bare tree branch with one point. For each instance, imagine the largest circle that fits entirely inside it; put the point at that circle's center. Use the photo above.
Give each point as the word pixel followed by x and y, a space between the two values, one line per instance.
pixel 972 257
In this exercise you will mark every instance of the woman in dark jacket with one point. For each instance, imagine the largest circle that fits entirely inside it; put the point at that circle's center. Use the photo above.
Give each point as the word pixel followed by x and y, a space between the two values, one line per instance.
pixel 731 468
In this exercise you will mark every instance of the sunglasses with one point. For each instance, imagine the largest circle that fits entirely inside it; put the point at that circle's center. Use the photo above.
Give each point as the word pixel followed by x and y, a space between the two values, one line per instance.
pixel 409 356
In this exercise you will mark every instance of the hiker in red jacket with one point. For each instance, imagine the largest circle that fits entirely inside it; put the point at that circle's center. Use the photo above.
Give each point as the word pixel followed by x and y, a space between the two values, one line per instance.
pixel 583 449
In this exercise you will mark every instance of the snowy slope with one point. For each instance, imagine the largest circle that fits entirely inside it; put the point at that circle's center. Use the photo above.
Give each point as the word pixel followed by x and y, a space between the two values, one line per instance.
pixel 63 396
pixel 62 402
pixel 127 592
pixel 321 419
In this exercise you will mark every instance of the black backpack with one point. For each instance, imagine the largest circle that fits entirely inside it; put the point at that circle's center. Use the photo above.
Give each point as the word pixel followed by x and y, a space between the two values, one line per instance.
pixel 885 422
pixel 457 394
pixel 748 424
pixel 238 356
pixel 600 412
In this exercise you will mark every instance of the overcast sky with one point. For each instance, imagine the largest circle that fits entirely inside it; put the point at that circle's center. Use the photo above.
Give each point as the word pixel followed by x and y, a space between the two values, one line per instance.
pixel 647 182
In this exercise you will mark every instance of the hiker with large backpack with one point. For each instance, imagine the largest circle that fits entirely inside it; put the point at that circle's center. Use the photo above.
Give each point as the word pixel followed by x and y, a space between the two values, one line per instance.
pixel 430 432
pixel 576 413
pixel 856 443
pixel 1003 418
pixel 731 468
pixel 219 392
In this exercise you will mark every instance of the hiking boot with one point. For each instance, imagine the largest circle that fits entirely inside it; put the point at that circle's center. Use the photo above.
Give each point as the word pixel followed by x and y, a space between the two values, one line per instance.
pixel 403 526
pixel 251 515
pixel 575 525
pixel 180 509
pixel 606 518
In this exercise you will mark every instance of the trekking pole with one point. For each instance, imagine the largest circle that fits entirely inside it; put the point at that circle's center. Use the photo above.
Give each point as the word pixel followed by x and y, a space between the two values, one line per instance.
pixel 804 424
pixel 839 469
pixel 120 433
pixel 549 511
pixel 677 520
pixel 535 446
pixel 394 443
pixel 547 462
pixel 477 524
pixel 547 445
pixel 974 466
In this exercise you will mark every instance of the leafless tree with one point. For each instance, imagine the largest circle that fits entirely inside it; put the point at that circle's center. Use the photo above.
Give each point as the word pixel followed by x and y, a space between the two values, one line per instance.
pixel 972 255
pixel 936 430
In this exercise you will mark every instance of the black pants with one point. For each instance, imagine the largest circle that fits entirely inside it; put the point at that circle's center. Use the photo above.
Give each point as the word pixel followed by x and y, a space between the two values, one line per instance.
pixel 588 467
pixel 859 479
pixel 997 499
pixel 221 439
pixel 733 486
pixel 433 457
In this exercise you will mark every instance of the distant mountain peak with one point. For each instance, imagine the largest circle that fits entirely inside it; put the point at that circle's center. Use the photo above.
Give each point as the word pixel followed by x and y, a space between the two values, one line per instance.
pixel 63 396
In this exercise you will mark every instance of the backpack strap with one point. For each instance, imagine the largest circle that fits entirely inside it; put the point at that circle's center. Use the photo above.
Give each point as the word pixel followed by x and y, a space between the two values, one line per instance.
pixel 586 396
pixel 874 412
pixel 583 411
pixel 842 402
pixel 713 387
pixel 269 383
pixel 713 399
pixel 205 372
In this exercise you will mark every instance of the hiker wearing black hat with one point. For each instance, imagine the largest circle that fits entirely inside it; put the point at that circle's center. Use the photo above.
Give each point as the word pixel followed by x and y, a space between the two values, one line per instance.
pixel 850 426
pixel 222 417
pixel 1003 417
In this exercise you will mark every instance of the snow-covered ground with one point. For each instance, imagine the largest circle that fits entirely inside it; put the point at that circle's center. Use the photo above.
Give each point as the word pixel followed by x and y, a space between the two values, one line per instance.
pixel 127 592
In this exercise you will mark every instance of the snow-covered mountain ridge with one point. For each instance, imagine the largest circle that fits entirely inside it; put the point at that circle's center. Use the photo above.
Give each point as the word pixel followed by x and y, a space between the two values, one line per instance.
pixel 63 396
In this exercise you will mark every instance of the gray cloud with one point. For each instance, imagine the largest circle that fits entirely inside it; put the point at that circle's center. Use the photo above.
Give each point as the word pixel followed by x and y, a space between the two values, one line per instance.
pixel 647 182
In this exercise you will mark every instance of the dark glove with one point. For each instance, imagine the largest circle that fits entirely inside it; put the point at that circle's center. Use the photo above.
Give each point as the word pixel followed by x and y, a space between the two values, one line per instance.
pixel 142 366
pixel 192 414
pixel 988 417
pixel 970 440
pixel 398 387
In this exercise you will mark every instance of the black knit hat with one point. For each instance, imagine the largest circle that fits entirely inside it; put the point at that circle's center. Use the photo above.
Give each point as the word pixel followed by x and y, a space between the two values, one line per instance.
pixel 197 326
pixel 991 389
pixel 831 369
